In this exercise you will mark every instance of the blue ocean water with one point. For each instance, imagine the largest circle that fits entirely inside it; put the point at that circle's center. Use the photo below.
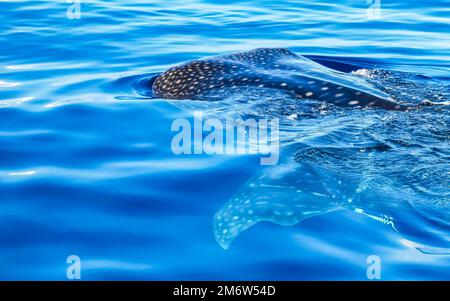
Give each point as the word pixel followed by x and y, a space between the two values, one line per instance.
pixel 86 166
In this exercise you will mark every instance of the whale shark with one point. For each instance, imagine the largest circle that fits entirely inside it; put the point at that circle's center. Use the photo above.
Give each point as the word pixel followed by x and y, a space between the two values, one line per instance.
pixel 269 68
pixel 330 160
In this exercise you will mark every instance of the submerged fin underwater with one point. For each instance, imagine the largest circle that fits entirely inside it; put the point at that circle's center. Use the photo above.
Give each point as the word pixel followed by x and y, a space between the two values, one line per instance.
pixel 216 140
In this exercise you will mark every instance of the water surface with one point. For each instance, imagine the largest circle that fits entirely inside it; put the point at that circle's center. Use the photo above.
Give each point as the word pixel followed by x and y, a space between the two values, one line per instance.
pixel 86 166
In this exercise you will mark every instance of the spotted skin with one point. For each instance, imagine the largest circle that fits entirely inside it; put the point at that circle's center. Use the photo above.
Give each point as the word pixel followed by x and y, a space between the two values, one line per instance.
pixel 272 68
